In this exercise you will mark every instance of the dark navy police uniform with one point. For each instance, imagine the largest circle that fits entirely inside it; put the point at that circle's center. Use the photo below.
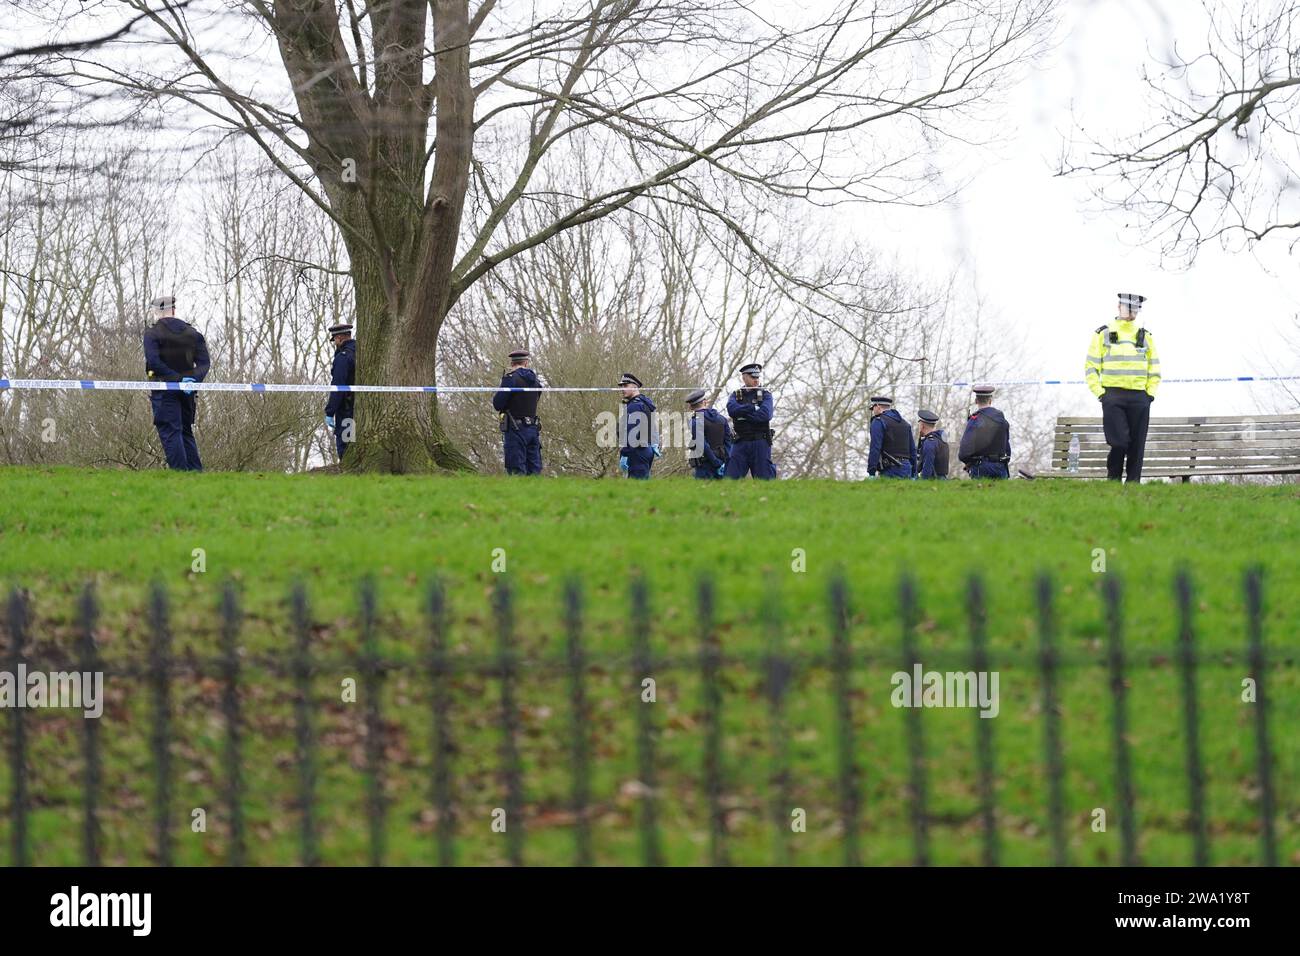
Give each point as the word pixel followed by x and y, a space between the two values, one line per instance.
pixel 986 444
pixel 893 449
pixel 521 429
pixel 712 441
pixel 341 405
pixel 638 431
pixel 751 454
pixel 174 350
pixel 933 453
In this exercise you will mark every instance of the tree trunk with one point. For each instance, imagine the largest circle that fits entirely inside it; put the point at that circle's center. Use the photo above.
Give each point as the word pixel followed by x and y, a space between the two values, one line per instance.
pixel 397 433
pixel 401 241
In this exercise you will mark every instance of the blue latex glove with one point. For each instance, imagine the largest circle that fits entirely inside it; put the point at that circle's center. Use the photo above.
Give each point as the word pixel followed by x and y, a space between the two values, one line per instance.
pixel 329 422
pixel 722 469
pixel 188 391
pixel 659 452
pixel 622 463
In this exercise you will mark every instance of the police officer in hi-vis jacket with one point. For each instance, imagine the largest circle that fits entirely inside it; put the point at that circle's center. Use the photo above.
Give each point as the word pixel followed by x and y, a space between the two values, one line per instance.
pixel 1123 371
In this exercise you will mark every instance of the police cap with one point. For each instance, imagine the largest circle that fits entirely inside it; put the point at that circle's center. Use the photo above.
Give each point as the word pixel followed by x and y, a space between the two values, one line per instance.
pixel 629 379
pixel 519 355
pixel 881 400
pixel 753 368
pixel 1132 300
pixel 927 416
pixel 344 328
pixel 984 391
pixel 163 302
pixel 695 397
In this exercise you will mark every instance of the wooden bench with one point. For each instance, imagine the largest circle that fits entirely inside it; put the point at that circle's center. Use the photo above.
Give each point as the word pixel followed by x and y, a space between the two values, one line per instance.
pixel 1189 447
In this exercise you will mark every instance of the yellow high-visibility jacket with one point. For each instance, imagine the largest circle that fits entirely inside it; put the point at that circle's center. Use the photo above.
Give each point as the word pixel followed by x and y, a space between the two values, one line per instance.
pixel 1121 364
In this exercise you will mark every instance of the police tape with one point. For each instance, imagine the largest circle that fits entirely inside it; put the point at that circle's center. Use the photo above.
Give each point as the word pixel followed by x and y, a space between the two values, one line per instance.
pixel 88 385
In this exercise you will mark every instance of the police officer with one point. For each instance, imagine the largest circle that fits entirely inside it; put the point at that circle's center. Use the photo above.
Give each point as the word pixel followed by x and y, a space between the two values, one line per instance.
pixel 339 407
pixel 521 429
pixel 638 429
pixel 750 409
pixel 985 447
pixel 893 449
pixel 711 437
pixel 932 449
pixel 174 351
pixel 1123 371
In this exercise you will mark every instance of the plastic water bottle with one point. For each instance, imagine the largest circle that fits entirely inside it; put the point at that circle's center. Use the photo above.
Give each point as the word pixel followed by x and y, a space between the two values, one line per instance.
pixel 1074 453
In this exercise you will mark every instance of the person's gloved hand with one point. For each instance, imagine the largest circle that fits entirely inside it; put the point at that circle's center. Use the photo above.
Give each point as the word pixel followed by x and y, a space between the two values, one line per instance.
pixel 329 422
pixel 622 463
pixel 659 452
pixel 722 469
pixel 188 391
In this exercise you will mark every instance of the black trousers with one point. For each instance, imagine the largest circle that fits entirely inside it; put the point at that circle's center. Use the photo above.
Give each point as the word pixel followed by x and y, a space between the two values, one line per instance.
pixel 173 416
pixel 1125 414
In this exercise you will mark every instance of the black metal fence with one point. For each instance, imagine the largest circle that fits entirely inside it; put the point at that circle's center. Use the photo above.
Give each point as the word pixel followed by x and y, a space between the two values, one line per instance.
pixel 507 668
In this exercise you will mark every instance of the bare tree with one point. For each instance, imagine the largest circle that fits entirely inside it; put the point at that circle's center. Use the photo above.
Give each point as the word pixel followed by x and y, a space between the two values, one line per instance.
pixel 1221 162
pixel 36 95
pixel 273 284
pixel 420 128
pixel 76 258
pixel 591 303
pixel 82 249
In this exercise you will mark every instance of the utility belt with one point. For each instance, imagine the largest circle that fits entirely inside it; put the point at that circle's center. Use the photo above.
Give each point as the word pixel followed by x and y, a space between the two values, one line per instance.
pixel 701 461
pixel 510 422
pixel 974 462
pixel 763 434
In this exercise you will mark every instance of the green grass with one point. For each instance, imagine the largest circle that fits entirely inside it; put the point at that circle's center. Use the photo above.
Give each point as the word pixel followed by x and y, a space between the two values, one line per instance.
pixel 59 528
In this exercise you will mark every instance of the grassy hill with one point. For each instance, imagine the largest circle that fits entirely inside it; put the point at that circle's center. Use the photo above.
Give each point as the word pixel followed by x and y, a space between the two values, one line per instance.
pixel 758 543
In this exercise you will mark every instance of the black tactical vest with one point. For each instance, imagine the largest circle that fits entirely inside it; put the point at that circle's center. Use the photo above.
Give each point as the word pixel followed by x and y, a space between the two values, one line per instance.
pixel 986 437
pixel 713 434
pixel 940 454
pixel 524 404
pixel 176 349
pixel 751 431
pixel 897 445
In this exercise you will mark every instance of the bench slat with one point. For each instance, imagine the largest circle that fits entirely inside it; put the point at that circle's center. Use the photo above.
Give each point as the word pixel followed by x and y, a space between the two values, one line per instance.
pixel 1232 447
pixel 1199 466
pixel 1188 447
pixel 1182 452
pixel 1174 473
pixel 1195 420
pixel 1222 434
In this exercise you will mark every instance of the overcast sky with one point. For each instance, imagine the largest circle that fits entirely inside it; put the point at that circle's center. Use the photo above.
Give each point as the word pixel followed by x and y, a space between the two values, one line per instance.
pixel 1042 258
pixel 1035 250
